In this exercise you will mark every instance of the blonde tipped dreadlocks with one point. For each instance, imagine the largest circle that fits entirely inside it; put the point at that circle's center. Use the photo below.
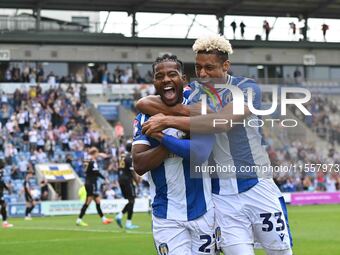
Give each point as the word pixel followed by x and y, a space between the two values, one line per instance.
pixel 212 43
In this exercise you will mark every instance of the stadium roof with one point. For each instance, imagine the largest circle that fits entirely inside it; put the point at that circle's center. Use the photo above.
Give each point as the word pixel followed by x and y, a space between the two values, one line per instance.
pixel 294 8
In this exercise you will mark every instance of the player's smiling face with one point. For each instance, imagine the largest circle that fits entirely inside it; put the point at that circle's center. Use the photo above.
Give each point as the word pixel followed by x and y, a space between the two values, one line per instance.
pixel 169 81
pixel 210 66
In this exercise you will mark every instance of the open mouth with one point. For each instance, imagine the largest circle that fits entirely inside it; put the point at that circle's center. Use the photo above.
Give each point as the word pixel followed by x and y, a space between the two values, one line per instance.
pixel 169 93
pixel 204 81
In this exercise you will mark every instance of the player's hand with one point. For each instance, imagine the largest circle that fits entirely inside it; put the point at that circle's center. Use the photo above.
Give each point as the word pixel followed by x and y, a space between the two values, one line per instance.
pixel 155 124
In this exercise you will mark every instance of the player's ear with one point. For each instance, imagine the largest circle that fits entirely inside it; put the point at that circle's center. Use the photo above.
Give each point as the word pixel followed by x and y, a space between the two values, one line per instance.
pixel 226 66
pixel 184 78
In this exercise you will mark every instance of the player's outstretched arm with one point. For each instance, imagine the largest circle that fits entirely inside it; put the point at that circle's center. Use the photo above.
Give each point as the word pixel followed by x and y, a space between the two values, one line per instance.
pixel 153 105
pixel 146 159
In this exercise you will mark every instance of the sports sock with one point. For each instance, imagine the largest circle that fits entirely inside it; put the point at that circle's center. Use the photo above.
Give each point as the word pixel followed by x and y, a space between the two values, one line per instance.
pixel 82 211
pixel 99 211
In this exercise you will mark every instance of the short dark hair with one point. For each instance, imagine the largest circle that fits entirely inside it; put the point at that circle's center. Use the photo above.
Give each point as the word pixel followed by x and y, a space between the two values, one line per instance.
pixel 223 56
pixel 168 57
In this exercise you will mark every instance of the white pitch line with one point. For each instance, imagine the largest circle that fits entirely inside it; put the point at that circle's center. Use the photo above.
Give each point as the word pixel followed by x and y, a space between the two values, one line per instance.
pixel 55 240
pixel 86 230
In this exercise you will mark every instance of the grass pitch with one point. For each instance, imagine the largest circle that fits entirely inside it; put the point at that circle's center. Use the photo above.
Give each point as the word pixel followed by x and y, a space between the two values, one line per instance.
pixel 315 230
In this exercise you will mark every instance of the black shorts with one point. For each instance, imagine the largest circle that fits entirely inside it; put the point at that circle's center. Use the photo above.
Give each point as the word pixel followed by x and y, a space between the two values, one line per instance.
pixel 2 200
pixel 28 198
pixel 128 189
pixel 91 189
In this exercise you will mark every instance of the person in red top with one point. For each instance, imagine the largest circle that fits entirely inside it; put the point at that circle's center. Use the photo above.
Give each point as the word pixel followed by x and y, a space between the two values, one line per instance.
pixel 266 28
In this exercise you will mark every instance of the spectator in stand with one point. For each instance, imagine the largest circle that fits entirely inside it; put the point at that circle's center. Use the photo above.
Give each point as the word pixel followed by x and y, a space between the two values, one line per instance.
pixel 124 77
pixel 297 76
pixel 16 73
pixel 320 182
pixel 25 73
pixel 105 77
pixel 33 138
pixel 109 193
pixel 17 97
pixel 33 77
pixel 23 166
pixel 15 173
pixel 44 190
pixel 307 183
pixel 324 29
pixel 266 28
pixel 292 26
pixel 331 180
pixel 129 72
pixel 78 77
pixel 4 98
pixel 51 79
pixel 234 26
pixel 119 130
pixel 148 77
pixel 8 75
pixel 21 120
pixel 88 75
pixel 40 73
pixel 82 93
pixel 32 92
pixel 117 75
pixel 242 26
pixel 5 114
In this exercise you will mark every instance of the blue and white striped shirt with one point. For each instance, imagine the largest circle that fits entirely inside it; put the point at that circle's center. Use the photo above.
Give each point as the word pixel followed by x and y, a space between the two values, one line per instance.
pixel 241 146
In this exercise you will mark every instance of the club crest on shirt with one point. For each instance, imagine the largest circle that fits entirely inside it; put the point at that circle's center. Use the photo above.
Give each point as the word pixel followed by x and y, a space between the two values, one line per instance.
pixel 135 127
pixel 218 234
pixel 163 249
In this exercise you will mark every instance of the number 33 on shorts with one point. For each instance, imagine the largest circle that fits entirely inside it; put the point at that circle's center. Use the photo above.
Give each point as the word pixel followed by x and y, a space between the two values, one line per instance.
pixel 273 229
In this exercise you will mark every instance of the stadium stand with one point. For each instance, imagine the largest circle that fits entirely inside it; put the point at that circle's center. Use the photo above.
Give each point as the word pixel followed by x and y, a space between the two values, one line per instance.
pixel 51 126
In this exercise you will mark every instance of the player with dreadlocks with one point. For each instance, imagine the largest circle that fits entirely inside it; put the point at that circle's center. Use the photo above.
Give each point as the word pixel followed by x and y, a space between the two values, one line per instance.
pixel 182 210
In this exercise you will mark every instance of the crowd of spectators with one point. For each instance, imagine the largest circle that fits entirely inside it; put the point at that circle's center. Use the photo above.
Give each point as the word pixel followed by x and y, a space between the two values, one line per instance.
pixel 94 74
pixel 51 126
pixel 325 119
pixel 301 166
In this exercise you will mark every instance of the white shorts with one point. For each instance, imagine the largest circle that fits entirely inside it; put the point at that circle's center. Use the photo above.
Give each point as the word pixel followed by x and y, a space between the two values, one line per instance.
pixel 258 215
pixel 174 237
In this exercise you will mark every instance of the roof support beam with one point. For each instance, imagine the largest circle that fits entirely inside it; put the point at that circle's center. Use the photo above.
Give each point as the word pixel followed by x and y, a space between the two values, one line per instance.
pixel 192 23
pixel 305 27
pixel 106 19
pixel 133 25
pixel 37 13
